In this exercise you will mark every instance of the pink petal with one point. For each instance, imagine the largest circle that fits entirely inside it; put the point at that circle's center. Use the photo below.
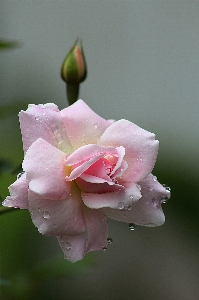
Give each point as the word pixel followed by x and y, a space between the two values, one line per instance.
pixel 82 124
pixel 141 148
pixel 103 187
pixel 88 155
pixel 95 237
pixel 119 199
pixel 44 165
pixel 86 152
pixel 43 121
pixel 64 217
pixel 147 211
pixel 76 172
pixel 18 194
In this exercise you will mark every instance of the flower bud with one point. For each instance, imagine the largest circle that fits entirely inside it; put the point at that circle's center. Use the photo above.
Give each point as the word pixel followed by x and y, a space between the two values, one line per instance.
pixel 74 69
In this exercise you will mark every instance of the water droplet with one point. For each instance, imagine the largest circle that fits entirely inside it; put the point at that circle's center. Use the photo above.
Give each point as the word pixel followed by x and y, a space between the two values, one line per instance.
pixel 46 214
pixel 20 174
pixel 140 159
pixel 155 201
pixel 104 248
pixel 138 186
pixel 121 205
pixel 43 114
pixel 109 240
pixel 40 230
pixel 131 226
pixel 86 120
pixel 165 199
pixel 154 178
pixel 37 118
pixel 67 245
pixel 39 209
pixel 129 207
pixel 151 188
pixel 95 125
pixel 167 187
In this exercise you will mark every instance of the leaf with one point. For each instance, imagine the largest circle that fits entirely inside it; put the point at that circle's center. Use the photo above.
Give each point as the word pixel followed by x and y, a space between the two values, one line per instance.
pixel 5 45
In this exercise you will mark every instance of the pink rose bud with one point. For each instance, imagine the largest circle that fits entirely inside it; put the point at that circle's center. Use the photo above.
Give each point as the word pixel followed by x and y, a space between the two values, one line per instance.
pixel 74 71
pixel 86 170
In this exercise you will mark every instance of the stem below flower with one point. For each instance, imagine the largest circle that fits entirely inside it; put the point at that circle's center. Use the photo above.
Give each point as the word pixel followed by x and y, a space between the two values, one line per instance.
pixel 72 92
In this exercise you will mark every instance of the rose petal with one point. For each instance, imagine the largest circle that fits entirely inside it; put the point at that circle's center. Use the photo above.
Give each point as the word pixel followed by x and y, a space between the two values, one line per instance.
pixel 88 155
pixel 141 148
pixel 95 237
pixel 44 121
pixel 45 170
pixel 83 125
pixel 147 211
pixel 18 194
pixel 64 217
pixel 119 199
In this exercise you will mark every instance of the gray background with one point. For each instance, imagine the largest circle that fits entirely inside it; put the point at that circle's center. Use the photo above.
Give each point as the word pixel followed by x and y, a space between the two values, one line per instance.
pixel 143 65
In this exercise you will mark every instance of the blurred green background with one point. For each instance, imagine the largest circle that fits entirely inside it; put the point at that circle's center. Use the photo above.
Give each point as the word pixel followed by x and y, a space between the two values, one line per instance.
pixel 143 65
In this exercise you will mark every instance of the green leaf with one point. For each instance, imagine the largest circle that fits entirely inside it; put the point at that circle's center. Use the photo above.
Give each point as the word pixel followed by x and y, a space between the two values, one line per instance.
pixel 5 45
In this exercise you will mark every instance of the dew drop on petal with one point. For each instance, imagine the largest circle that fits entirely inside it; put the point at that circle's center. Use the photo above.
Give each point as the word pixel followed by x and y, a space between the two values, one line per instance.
pixel 154 178
pixel 131 197
pixel 46 214
pixel 138 187
pixel 37 118
pixel 155 201
pixel 104 248
pixel 121 205
pixel 151 188
pixel 20 174
pixel 132 226
pixel 67 245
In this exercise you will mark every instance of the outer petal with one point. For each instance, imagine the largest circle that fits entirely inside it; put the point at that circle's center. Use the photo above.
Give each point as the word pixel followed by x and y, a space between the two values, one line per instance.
pixel 141 148
pixel 18 194
pixel 44 165
pixel 64 217
pixel 43 121
pixel 83 125
pixel 147 211
pixel 95 237
pixel 120 199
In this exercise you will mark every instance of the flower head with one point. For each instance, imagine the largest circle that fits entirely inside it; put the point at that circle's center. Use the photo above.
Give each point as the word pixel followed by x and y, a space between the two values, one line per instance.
pixel 86 169
pixel 74 68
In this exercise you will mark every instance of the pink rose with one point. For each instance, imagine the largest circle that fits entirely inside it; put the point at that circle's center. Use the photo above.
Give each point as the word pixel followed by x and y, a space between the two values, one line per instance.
pixel 80 169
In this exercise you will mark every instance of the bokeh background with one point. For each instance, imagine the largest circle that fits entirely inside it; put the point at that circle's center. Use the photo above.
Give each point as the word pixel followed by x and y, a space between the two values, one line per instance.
pixel 143 65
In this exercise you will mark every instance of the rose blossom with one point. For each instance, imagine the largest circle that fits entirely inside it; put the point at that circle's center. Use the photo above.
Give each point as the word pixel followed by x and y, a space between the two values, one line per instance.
pixel 80 169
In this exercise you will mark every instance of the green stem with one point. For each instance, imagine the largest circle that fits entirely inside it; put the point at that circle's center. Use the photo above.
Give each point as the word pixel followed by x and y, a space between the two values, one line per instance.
pixel 4 210
pixel 72 91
